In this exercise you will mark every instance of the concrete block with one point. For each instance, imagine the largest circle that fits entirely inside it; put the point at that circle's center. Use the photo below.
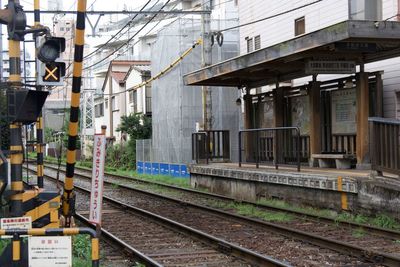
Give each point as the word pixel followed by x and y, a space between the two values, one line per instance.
pixel 343 164
pixel 326 163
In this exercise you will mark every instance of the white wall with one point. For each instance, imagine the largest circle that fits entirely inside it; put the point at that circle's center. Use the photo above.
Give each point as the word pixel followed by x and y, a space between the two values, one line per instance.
pixel 317 16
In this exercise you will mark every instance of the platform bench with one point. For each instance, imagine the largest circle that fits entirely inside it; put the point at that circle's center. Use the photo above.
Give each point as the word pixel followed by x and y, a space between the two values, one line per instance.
pixel 341 161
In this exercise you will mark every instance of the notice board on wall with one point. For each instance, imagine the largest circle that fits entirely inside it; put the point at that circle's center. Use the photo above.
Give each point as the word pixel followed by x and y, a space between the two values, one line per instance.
pixel 300 113
pixel 344 111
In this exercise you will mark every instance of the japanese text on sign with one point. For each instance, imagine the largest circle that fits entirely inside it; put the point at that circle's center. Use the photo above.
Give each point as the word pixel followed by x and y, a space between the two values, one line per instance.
pixel 50 251
pixel 96 196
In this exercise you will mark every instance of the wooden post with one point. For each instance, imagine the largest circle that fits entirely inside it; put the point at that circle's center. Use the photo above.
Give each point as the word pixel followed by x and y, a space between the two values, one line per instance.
pixel 279 106
pixel 362 139
pixel 379 95
pixel 248 117
pixel 314 95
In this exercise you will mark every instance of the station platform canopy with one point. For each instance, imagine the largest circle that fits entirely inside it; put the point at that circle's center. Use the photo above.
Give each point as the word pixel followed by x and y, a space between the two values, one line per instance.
pixel 335 49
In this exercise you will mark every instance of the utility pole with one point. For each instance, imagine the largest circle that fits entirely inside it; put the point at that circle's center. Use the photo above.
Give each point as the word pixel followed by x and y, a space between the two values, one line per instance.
pixel 206 61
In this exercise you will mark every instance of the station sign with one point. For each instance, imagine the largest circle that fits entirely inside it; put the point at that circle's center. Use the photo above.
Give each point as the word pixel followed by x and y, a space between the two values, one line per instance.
pixel 96 194
pixel 330 67
pixel 50 251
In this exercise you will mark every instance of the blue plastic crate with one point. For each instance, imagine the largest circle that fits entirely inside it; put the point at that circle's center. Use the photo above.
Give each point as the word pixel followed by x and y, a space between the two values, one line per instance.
pixel 155 168
pixel 164 169
pixel 139 167
pixel 147 168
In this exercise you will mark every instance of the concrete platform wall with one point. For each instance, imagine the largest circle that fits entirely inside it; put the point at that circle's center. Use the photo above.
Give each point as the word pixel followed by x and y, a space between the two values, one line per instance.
pixel 364 195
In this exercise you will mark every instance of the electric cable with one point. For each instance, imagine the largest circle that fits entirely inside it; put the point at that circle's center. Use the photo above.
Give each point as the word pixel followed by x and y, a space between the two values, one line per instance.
pixel 130 39
pixel 270 17
pixel 126 25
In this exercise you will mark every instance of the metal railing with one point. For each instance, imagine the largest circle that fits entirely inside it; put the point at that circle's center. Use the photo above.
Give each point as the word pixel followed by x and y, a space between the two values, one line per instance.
pixel 385 145
pixel 281 145
pixel 16 250
pixel 213 145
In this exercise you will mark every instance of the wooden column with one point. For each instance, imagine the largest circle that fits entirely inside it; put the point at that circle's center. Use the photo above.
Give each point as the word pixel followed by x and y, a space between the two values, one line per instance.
pixel 379 95
pixel 279 106
pixel 362 139
pixel 314 95
pixel 248 124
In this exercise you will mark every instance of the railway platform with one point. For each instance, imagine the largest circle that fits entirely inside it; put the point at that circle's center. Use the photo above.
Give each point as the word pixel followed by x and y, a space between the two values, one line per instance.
pixel 353 190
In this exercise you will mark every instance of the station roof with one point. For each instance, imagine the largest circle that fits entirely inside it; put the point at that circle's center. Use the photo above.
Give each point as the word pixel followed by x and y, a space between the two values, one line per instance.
pixel 355 41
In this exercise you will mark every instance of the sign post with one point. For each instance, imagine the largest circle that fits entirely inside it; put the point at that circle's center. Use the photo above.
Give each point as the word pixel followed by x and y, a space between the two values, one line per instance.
pixel 96 196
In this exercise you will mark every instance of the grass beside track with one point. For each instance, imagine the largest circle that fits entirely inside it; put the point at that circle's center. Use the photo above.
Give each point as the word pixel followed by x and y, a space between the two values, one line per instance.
pixel 380 220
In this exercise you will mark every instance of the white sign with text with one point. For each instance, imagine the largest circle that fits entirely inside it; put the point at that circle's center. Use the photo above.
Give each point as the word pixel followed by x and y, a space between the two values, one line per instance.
pixel 50 251
pixel 96 196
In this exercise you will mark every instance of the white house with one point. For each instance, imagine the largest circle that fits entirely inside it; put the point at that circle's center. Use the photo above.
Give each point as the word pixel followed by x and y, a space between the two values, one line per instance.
pixel 116 100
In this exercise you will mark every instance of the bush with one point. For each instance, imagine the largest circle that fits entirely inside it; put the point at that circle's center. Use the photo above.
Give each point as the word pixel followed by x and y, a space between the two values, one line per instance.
pixel 122 156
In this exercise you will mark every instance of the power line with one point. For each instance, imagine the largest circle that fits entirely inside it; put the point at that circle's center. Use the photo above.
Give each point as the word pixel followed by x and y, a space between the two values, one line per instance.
pixel 123 12
pixel 112 37
pixel 130 39
pixel 270 17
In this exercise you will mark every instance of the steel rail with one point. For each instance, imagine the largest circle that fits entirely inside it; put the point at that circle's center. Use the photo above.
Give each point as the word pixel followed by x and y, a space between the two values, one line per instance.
pixel 372 229
pixel 216 243
pixel 341 247
pixel 136 254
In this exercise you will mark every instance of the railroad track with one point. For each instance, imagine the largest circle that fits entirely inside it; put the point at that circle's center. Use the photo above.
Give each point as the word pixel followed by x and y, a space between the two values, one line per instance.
pixel 204 198
pixel 304 219
pixel 254 234
pixel 158 241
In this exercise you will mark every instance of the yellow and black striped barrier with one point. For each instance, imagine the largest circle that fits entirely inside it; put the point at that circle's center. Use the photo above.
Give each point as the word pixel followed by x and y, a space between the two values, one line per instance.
pixel 39 123
pixel 16 242
pixel 16 151
pixel 68 195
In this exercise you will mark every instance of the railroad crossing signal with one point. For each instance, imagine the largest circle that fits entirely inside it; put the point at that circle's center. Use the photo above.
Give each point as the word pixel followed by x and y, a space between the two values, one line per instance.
pixel 54 72
pixel 51 69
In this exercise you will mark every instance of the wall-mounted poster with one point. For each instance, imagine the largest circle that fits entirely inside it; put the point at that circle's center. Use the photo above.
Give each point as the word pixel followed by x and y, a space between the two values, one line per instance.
pixel 300 113
pixel 344 111
pixel 267 119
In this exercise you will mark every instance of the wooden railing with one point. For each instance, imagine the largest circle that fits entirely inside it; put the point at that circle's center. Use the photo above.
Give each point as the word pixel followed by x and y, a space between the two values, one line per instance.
pixel 344 143
pixel 385 145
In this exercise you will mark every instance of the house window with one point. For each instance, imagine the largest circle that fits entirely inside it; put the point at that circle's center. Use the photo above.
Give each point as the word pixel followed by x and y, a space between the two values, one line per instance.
pixel 398 105
pixel 365 9
pixel 99 110
pixel 257 42
pixel 131 97
pixel 113 104
pixel 250 47
pixel 106 101
pixel 299 26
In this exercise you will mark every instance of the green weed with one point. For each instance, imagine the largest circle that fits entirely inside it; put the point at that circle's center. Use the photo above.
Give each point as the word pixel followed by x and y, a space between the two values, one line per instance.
pixel 359 233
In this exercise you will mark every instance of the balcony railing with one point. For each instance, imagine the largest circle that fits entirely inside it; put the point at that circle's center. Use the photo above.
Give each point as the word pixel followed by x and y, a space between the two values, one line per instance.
pixel 211 146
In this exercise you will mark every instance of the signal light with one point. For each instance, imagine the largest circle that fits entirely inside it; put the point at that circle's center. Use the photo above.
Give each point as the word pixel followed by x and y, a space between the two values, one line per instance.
pixel 51 69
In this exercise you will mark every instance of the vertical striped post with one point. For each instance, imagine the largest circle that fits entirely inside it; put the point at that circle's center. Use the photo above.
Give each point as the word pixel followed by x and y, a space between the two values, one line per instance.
pixel 16 250
pixel 16 150
pixel 67 210
pixel 39 123
pixel 95 252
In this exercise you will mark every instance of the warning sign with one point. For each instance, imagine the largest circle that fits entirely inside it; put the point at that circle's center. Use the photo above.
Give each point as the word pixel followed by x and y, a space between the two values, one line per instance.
pixel 50 251
pixel 21 223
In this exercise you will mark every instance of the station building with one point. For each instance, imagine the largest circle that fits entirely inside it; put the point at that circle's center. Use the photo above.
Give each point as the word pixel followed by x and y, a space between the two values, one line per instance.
pixel 324 73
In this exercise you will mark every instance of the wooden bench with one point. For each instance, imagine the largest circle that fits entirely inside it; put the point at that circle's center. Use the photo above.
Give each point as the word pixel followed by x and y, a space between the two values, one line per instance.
pixel 341 161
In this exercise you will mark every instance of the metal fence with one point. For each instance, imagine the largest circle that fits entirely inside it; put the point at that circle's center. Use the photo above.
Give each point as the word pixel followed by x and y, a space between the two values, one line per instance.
pixel 385 145
pixel 144 150
pixel 211 145
pixel 279 146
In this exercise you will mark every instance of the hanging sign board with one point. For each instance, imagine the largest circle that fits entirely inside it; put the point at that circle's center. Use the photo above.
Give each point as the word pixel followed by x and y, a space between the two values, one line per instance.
pixel 50 251
pixel 330 67
pixel 96 196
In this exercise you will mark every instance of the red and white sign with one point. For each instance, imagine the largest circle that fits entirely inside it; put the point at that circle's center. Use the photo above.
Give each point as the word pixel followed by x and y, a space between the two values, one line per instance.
pixel 50 251
pixel 21 223
pixel 96 196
